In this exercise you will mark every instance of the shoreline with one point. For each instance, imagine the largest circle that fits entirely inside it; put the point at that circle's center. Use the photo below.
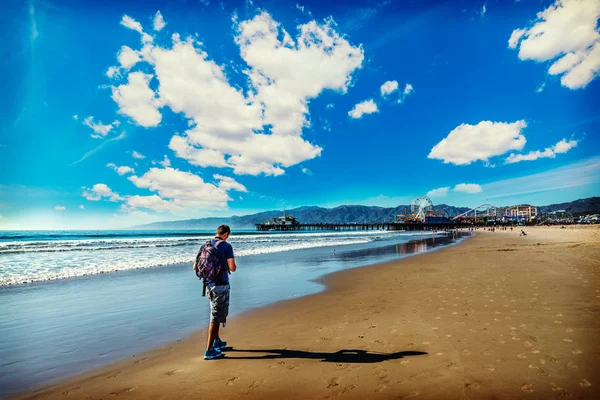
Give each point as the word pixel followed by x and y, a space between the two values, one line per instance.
pixel 93 274
pixel 307 332
pixel 121 326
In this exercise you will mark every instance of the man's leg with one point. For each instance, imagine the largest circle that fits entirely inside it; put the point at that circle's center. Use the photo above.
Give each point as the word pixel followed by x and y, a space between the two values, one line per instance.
pixel 213 334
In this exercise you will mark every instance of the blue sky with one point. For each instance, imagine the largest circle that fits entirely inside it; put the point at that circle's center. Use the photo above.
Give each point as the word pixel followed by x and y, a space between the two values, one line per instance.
pixel 119 113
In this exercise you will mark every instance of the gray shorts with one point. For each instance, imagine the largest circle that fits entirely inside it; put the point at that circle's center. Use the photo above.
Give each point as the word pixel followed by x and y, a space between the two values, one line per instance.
pixel 218 297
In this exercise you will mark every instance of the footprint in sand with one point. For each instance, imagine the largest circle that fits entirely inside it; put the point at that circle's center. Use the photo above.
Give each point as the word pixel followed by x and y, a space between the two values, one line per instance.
pixel 348 388
pixel 472 385
pixel 231 380
pixel 333 383
pixel 171 373
pixel 577 351
pixel 572 365
pixel 527 387
pixel 255 384
pixel 121 391
pixel 584 383
pixel 560 390
pixel 522 356
pixel 490 367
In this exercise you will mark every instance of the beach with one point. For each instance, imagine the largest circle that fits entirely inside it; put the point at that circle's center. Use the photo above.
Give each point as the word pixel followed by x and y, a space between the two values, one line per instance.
pixel 498 316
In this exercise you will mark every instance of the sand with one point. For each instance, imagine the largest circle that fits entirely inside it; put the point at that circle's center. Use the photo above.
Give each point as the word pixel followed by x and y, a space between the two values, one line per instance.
pixel 499 316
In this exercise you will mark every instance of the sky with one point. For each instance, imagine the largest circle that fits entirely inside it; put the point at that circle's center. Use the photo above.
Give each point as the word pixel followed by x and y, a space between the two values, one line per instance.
pixel 122 113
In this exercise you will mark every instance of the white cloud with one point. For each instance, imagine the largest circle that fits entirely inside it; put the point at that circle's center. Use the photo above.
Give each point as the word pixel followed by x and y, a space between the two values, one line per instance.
pixel 137 100
pixel 330 106
pixel 152 202
pixel 34 31
pixel 468 188
pixel 76 117
pixel 113 72
pixel 127 57
pixel 165 162
pixel 81 206
pixel 183 190
pixel 307 171
pixel 540 88
pixel 137 155
pixel 469 143
pixel 408 89
pixel 483 10
pixel 159 21
pixel 388 87
pixel 365 107
pixel 561 147
pixel 121 170
pixel 566 33
pixel 241 130
pixel 439 192
pixel 100 190
pixel 195 156
pixel 100 130
pixel 227 183
pixel 132 24
pixel 60 208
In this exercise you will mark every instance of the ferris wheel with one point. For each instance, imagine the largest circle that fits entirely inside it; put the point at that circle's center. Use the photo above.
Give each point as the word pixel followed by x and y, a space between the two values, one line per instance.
pixel 420 207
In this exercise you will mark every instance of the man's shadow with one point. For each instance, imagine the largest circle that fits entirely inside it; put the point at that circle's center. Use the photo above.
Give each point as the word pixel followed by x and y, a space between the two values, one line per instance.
pixel 342 356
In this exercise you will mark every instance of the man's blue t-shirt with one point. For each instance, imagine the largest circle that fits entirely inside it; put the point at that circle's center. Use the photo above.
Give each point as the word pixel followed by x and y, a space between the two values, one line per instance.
pixel 226 252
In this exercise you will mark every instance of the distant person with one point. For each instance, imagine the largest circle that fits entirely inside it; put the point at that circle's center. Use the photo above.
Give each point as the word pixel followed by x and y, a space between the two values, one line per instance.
pixel 522 233
pixel 213 265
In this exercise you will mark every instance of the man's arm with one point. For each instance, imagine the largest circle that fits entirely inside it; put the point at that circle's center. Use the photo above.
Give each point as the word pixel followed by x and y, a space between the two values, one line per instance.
pixel 231 264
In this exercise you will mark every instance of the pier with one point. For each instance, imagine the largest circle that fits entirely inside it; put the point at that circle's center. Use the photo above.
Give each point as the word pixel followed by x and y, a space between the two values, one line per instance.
pixel 381 226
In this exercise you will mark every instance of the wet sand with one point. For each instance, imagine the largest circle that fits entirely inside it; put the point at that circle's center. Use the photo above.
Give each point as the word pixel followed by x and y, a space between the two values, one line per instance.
pixel 499 316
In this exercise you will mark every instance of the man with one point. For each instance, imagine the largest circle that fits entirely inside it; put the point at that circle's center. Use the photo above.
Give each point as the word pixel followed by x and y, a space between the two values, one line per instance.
pixel 217 291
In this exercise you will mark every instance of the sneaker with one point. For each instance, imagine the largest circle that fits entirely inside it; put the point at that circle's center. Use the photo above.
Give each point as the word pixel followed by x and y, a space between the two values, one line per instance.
pixel 219 344
pixel 211 354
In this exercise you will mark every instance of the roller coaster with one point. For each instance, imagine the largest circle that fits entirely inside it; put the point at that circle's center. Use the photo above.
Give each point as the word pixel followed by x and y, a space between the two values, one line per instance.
pixel 485 210
pixel 422 212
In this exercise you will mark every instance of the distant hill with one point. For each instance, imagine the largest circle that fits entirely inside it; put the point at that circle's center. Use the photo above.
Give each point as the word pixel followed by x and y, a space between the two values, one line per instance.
pixel 345 214
pixel 590 205
pixel 306 215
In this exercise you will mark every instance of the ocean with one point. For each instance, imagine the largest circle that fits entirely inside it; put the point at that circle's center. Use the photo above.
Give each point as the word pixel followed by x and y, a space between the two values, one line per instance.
pixel 71 301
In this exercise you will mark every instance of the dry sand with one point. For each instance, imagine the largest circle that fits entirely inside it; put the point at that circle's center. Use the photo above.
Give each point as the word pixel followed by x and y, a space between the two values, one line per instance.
pixel 499 316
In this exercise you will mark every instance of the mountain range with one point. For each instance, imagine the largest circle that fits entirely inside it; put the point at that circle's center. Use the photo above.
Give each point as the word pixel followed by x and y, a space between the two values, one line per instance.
pixel 346 214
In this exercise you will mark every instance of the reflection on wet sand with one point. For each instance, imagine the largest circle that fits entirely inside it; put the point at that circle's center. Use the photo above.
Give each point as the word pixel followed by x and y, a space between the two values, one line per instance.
pixel 412 247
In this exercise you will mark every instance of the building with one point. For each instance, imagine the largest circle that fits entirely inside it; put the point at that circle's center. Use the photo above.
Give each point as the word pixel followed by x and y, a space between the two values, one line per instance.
pixel 521 213
pixel 284 220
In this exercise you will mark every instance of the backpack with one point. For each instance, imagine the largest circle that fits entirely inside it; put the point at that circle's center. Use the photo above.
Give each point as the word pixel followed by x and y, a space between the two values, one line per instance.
pixel 209 263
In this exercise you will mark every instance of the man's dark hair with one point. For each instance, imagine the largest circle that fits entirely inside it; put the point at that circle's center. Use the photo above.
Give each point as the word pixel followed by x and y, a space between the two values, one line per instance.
pixel 223 229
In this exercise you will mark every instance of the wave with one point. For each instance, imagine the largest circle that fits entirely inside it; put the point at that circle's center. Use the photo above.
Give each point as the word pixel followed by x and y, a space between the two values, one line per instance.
pixel 39 270
pixel 17 247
